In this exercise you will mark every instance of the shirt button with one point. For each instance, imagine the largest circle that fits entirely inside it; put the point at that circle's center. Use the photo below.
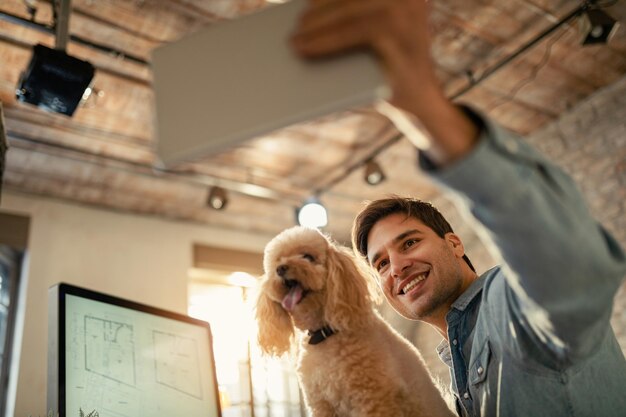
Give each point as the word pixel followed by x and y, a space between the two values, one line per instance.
pixel 480 370
pixel 466 396
pixel 454 342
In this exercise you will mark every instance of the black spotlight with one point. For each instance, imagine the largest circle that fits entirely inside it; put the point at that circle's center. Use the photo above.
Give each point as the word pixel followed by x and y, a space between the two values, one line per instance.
pixel 374 174
pixel 217 198
pixel 55 81
pixel 597 27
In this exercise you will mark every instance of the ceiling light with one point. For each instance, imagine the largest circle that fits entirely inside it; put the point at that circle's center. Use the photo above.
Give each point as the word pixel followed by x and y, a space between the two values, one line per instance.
pixel 374 174
pixel 54 81
pixel 217 198
pixel 312 214
pixel 597 27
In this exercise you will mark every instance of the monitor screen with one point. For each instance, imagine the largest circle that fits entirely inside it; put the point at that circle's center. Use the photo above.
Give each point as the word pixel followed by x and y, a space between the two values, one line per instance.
pixel 125 359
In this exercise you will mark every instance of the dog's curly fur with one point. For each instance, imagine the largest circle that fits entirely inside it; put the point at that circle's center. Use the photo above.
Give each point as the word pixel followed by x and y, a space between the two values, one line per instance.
pixel 365 369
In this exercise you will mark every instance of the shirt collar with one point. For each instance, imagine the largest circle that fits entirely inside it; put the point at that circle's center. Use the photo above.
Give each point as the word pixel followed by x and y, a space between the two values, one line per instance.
pixel 470 293
pixel 461 303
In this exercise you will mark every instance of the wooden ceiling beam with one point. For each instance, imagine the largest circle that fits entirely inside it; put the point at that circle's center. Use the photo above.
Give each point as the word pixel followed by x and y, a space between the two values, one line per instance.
pixel 14 37
pixel 150 171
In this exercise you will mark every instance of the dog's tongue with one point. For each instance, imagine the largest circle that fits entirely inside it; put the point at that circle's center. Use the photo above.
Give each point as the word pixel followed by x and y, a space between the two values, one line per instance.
pixel 293 297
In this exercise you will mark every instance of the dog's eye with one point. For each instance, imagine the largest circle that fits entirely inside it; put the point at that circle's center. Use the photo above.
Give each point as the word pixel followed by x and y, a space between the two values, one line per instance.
pixel 309 257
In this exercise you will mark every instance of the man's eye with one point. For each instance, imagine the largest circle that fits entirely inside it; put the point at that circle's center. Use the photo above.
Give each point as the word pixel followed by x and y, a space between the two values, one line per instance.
pixel 410 243
pixel 381 265
pixel 309 257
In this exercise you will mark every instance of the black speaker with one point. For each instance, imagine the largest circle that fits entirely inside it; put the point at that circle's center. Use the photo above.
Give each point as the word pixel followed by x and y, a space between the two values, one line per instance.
pixel 54 81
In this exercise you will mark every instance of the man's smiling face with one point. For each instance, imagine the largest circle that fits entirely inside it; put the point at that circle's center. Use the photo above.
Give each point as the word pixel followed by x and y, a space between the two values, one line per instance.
pixel 420 273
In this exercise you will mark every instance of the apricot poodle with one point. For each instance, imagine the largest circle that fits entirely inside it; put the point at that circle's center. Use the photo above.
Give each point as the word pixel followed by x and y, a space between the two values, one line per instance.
pixel 351 363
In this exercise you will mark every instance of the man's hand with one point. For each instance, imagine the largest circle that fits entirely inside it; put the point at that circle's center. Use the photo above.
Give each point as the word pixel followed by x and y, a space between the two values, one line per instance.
pixel 397 31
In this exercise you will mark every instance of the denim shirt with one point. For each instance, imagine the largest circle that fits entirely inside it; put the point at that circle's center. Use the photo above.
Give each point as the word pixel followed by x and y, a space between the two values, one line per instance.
pixel 532 337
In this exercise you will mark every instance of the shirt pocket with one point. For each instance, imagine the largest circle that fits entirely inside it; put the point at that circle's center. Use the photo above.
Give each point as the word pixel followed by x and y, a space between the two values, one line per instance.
pixel 479 367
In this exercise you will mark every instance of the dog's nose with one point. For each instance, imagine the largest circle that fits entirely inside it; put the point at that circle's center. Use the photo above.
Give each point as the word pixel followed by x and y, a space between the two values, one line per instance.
pixel 282 270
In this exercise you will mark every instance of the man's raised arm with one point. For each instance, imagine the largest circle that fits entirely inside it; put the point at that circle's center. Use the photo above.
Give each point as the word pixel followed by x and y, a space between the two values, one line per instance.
pixel 562 266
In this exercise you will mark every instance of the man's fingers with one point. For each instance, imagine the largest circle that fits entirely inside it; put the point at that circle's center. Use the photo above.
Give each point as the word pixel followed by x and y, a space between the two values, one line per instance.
pixel 395 30
pixel 324 14
pixel 330 26
pixel 348 36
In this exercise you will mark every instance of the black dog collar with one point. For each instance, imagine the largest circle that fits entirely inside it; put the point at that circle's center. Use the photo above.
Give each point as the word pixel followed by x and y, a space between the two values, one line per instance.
pixel 319 335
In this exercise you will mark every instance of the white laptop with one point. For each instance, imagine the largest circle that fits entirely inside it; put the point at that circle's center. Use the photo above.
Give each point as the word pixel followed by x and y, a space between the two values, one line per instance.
pixel 240 79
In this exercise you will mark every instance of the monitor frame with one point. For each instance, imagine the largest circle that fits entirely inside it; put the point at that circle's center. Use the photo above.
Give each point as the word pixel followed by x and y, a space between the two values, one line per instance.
pixel 56 399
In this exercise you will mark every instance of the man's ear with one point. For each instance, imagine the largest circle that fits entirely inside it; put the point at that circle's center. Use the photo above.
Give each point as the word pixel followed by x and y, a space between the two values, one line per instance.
pixel 455 243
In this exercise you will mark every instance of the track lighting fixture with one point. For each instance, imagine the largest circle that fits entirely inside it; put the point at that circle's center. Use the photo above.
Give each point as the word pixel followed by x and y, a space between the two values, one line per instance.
pixel 312 213
pixel 55 81
pixel 597 27
pixel 217 198
pixel 374 174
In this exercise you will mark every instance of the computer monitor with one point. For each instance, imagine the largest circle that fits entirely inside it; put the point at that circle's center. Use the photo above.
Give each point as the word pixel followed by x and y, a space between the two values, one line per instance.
pixel 126 359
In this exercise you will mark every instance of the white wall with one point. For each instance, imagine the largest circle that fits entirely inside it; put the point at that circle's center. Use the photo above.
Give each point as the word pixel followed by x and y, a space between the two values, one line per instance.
pixel 133 257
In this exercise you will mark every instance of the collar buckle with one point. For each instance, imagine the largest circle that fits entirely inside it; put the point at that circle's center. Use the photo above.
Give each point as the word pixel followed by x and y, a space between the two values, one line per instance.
pixel 319 335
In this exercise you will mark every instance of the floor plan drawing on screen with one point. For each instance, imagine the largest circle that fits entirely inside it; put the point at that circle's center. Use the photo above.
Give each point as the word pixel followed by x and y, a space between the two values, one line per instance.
pixel 177 363
pixel 129 360
pixel 109 349
pixel 111 398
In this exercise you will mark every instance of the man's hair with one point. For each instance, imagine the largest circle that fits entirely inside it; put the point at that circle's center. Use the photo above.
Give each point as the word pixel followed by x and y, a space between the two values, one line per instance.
pixel 411 207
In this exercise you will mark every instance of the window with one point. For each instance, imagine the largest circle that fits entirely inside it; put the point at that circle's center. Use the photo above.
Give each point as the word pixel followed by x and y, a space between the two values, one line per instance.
pixel 251 385
pixel 13 236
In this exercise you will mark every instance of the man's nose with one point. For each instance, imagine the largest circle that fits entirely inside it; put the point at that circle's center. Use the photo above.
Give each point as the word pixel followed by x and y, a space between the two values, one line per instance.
pixel 398 264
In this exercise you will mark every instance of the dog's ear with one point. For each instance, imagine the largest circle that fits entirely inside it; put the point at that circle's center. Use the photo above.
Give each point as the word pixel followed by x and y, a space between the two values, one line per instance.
pixel 349 294
pixel 275 327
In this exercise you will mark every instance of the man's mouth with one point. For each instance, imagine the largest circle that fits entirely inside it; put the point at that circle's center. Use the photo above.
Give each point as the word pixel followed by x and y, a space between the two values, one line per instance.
pixel 413 283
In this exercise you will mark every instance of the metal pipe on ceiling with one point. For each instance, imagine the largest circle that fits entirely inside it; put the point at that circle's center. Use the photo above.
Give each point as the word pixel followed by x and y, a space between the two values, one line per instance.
pixel 62 10
pixel 393 139
pixel 8 17
pixel 472 84
pixel 142 169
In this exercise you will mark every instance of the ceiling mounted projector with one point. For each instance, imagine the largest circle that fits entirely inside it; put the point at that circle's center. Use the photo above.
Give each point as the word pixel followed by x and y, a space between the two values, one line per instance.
pixel 55 81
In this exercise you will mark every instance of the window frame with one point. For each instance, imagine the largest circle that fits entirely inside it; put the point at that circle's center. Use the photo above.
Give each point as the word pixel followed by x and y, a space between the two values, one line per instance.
pixel 14 229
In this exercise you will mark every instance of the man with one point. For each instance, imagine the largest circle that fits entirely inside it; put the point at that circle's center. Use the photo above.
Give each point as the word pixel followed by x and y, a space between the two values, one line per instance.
pixel 529 338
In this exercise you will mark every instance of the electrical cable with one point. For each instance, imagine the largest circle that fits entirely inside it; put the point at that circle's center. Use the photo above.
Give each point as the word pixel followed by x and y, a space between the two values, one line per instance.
pixel 492 70
pixel 471 76
pixel 476 80
pixel 533 75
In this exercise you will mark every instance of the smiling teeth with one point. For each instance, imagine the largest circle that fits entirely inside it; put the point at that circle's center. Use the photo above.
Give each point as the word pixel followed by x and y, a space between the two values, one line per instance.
pixel 413 283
